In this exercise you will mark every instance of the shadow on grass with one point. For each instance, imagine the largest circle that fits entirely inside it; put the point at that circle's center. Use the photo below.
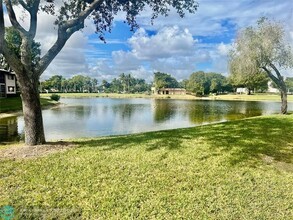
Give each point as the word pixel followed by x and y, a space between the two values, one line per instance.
pixel 150 140
pixel 244 139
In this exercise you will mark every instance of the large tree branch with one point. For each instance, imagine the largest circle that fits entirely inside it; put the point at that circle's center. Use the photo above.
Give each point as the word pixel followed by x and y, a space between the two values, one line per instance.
pixel 275 79
pixel 2 27
pixel 277 71
pixel 23 4
pixel 83 15
pixel 55 49
pixel 33 10
pixel 13 18
pixel 65 30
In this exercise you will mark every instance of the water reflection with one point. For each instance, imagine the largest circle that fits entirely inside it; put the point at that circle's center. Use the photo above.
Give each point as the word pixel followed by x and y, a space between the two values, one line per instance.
pixel 91 117
pixel 163 110
pixel 8 129
pixel 245 110
pixel 126 111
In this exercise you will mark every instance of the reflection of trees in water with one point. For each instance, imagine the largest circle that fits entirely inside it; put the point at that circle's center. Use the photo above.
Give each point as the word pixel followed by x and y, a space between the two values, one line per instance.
pixel 8 129
pixel 201 112
pixel 79 111
pixel 126 111
pixel 239 110
pixel 82 111
pixel 163 110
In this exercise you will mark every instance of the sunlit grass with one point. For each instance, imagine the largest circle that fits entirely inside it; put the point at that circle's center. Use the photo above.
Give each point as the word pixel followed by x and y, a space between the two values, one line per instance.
pixel 235 170
pixel 253 97
pixel 238 97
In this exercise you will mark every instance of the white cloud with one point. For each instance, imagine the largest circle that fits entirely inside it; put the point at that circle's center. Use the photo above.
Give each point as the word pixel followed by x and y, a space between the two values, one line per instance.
pixel 173 46
pixel 224 49
pixel 168 42
pixel 171 50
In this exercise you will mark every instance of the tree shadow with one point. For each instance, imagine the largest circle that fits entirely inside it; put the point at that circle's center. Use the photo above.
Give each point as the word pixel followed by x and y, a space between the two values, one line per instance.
pixel 150 140
pixel 250 138
pixel 243 139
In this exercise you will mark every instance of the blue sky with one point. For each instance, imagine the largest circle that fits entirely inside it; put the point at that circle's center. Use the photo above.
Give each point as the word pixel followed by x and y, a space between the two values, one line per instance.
pixel 178 46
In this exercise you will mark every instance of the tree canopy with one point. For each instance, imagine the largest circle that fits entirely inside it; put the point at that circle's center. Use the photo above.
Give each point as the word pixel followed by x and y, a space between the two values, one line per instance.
pixel 126 83
pixel 203 83
pixel 263 49
pixel 164 80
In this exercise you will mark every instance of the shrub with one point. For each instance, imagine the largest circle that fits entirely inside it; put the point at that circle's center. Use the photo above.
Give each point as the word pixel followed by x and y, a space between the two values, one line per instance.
pixel 55 97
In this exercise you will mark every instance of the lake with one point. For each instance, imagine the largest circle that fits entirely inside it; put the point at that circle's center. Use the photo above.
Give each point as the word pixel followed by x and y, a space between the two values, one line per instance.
pixel 93 117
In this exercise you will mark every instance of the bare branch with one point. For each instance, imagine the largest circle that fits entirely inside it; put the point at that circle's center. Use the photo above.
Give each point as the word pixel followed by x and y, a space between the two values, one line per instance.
pixel 12 17
pixel 2 27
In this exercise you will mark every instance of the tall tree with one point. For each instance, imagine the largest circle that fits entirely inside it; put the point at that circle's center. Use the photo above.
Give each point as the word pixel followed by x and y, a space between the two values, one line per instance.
pixel 70 18
pixel 263 49
pixel 164 80
pixel 198 83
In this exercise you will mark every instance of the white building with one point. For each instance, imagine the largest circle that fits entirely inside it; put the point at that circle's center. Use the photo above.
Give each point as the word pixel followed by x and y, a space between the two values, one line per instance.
pixel 7 83
pixel 242 91
pixel 271 89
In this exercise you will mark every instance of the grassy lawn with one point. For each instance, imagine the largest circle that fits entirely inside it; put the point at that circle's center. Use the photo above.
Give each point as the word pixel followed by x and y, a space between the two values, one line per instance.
pixel 14 104
pixel 254 97
pixel 235 170
pixel 243 97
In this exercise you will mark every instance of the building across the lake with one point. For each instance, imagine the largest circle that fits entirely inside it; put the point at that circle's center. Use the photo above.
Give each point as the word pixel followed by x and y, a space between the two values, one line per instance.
pixel 7 83
pixel 169 91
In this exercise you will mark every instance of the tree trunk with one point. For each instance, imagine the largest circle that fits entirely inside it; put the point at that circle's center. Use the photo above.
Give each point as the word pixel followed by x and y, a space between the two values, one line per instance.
pixel 281 84
pixel 284 101
pixel 32 112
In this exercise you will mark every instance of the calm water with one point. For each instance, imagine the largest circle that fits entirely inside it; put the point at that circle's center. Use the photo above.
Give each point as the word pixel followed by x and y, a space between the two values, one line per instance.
pixel 92 117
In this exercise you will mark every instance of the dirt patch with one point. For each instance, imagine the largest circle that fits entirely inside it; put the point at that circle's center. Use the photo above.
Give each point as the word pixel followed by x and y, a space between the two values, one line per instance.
pixel 283 166
pixel 28 152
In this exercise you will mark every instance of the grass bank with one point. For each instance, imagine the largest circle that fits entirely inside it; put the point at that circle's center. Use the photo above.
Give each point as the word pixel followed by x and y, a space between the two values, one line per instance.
pixel 14 104
pixel 235 170
pixel 253 97
pixel 118 95
pixel 238 97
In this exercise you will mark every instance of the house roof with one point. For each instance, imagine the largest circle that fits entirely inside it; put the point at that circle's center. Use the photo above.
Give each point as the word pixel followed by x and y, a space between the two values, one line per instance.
pixel 172 89
pixel 6 72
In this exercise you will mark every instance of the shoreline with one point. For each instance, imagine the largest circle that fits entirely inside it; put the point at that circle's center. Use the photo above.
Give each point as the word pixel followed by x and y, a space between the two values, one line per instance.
pixel 228 97
pixel 222 97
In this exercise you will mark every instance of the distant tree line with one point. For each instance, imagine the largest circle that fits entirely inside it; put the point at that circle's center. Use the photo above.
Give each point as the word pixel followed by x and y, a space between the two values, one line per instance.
pixel 125 83
pixel 79 83
pixel 202 83
pixel 199 83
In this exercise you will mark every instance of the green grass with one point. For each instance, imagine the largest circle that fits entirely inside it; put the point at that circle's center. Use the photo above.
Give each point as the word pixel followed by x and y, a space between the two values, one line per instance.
pixel 253 97
pixel 243 97
pixel 235 170
pixel 14 104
